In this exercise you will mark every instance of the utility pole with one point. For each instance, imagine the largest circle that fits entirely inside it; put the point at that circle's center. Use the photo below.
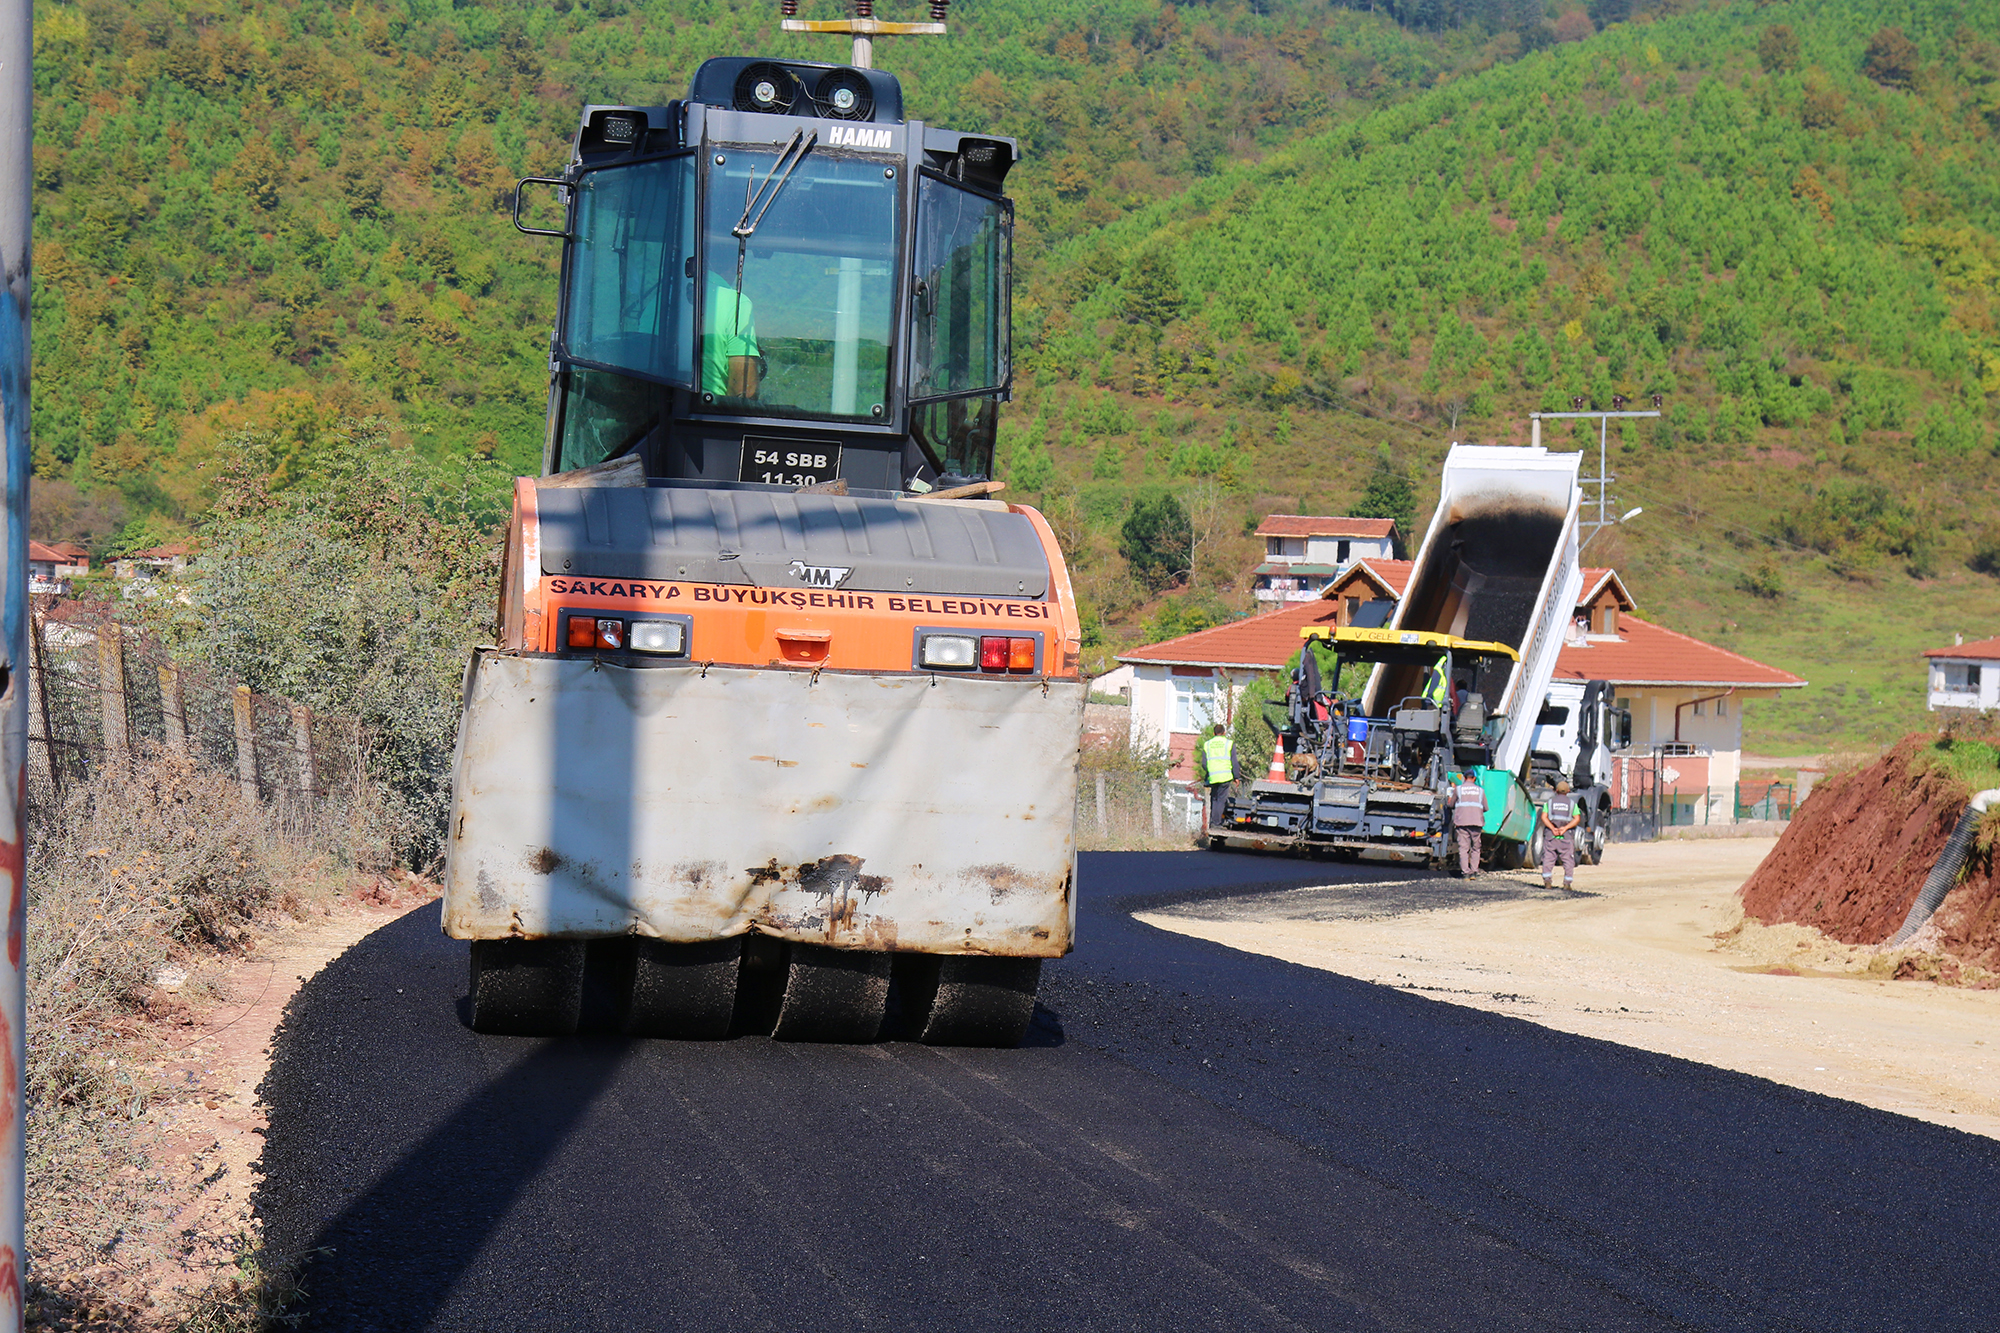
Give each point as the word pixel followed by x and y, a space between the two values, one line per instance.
pixel 1602 481
pixel 865 27
pixel 16 230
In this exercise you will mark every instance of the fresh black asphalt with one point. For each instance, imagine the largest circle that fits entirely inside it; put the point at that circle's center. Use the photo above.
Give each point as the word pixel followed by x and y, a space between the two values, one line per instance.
pixel 1195 1138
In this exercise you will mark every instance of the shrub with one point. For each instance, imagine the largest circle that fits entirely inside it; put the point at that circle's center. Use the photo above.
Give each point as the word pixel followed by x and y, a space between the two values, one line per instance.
pixel 1763 581
pixel 157 864
pixel 359 591
pixel 1985 557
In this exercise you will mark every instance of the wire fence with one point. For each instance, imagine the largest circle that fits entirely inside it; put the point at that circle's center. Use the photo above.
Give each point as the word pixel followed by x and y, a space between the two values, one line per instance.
pixel 102 691
pixel 1122 810
pixel 1123 801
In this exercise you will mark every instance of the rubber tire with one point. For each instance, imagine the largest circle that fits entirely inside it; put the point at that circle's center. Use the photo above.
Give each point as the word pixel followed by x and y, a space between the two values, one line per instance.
pixel 527 988
pixel 833 995
pixel 686 991
pixel 962 1000
pixel 1531 850
pixel 1594 843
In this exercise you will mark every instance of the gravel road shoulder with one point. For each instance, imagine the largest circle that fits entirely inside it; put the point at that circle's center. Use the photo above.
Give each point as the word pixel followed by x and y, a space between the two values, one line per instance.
pixel 205 1131
pixel 1652 952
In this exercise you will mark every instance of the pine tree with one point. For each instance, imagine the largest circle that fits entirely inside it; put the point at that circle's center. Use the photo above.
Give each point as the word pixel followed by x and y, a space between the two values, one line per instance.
pixel 1389 495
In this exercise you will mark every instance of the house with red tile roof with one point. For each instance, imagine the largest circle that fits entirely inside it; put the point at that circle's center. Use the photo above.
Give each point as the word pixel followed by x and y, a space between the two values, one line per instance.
pixel 1373 584
pixel 153 562
pixel 1686 697
pixel 50 568
pixel 1304 552
pixel 1965 675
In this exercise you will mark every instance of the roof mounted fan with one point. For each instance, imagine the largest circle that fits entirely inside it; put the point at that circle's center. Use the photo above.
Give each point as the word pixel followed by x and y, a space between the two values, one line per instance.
pixel 765 86
pixel 843 94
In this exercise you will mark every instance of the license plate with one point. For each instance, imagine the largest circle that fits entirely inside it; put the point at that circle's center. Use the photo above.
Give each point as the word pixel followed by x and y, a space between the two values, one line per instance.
pixel 788 462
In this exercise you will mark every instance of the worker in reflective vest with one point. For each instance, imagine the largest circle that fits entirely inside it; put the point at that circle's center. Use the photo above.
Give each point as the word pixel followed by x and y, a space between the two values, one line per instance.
pixel 1218 770
pixel 1434 692
pixel 1468 821
pixel 1560 818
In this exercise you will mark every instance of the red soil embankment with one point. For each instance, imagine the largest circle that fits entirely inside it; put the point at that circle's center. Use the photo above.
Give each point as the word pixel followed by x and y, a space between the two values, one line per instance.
pixel 1856 854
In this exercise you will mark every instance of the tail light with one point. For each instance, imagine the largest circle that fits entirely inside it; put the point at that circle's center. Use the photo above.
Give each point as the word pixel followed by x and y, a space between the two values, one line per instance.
pixel 611 634
pixel 995 653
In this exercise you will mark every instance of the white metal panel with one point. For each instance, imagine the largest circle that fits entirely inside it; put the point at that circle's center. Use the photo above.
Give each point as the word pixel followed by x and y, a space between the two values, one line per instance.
pixel 905 812
pixel 1479 477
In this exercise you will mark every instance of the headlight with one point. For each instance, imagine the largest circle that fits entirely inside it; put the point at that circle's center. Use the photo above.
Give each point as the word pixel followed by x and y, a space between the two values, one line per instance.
pixel 667 637
pixel 956 652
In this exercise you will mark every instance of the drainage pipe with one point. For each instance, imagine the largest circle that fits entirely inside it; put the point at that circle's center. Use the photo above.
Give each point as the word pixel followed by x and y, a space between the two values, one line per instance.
pixel 1949 866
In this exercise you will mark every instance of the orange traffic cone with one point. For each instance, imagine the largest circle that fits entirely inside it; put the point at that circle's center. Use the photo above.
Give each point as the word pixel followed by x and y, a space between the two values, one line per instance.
pixel 1277 773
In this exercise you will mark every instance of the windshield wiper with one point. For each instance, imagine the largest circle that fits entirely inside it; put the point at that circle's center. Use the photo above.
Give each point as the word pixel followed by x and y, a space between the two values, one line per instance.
pixel 766 194
pixel 761 198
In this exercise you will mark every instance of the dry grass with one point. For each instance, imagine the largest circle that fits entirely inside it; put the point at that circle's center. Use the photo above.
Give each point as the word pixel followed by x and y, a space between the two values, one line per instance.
pixel 1133 780
pixel 139 886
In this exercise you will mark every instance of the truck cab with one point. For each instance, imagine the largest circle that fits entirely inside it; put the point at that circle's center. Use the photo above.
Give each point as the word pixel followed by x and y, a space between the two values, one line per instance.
pixel 1576 732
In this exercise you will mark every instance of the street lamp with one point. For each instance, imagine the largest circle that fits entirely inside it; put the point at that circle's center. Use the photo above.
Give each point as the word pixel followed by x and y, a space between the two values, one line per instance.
pixel 1625 517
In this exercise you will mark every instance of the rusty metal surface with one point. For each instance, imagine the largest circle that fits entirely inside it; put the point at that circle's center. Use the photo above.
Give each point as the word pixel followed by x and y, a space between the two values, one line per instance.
pixel 908 812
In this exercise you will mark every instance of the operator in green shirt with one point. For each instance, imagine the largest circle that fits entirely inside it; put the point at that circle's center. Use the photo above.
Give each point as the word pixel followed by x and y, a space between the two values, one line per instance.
pixel 730 363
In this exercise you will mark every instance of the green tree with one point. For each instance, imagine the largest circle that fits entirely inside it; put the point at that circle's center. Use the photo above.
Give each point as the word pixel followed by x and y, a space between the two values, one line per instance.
pixel 1152 287
pixel 1389 494
pixel 1156 540
pixel 357 591
pixel 1891 59
pixel 1778 49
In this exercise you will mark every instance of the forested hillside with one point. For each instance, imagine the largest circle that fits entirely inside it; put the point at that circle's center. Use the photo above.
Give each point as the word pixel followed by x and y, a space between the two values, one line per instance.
pixel 1275 256
pixel 1782 219
pixel 284 212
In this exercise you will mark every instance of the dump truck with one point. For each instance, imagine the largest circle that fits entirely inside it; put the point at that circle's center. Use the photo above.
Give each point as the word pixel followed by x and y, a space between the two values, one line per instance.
pixel 782 724
pixel 1472 649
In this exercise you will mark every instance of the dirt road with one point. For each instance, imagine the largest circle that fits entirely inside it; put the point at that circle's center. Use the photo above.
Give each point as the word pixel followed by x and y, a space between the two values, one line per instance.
pixel 1650 952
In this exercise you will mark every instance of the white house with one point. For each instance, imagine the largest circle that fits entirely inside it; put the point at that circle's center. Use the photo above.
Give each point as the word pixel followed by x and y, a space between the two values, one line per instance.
pixel 1686 698
pixel 51 567
pixel 1304 552
pixel 1965 675
pixel 1181 687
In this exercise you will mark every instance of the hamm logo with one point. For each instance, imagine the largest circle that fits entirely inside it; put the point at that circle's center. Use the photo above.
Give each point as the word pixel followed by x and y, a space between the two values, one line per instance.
pixel 860 136
pixel 820 576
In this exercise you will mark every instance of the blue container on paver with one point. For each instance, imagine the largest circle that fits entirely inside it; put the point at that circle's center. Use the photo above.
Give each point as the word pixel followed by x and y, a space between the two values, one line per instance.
pixel 1357 730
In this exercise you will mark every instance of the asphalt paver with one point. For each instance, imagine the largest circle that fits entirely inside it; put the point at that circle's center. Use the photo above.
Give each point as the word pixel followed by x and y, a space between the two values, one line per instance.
pixel 1193 1138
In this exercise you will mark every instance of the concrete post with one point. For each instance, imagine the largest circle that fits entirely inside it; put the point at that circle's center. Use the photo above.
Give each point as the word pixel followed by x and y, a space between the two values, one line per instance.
pixel 302 750
pixel 111 691
pixel 246 744
pixel 173 708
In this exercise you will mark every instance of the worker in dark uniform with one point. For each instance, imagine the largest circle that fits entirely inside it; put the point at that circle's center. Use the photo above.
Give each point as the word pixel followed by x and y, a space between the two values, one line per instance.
pixel 1468 821
pixel 1218 770
pixel 1560 818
